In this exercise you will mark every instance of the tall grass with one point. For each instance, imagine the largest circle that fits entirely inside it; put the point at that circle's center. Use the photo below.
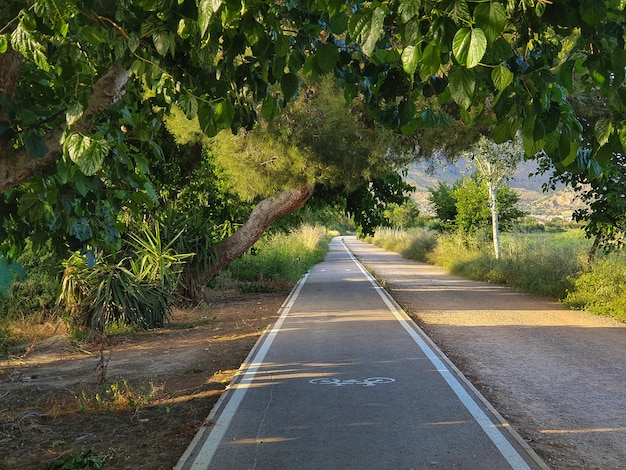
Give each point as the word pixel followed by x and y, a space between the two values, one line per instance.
pixel 414 244
pixel 540 264
pixel 281 257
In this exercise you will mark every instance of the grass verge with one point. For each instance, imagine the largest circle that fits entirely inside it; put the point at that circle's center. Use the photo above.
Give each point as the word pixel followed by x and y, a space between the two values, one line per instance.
pixel 551 265
pixel 280 258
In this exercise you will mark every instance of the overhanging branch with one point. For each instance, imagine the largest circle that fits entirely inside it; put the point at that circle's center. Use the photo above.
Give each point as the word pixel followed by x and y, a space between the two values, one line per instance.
pixel 17 165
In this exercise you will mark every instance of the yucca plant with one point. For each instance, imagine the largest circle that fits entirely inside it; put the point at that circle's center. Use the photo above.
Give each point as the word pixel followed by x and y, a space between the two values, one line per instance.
pixel 198 238
pixel 157 261
pixel 107 294
pixel 118 296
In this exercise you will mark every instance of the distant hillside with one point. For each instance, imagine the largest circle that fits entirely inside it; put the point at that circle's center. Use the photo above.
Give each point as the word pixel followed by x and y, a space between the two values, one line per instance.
pixel 425 174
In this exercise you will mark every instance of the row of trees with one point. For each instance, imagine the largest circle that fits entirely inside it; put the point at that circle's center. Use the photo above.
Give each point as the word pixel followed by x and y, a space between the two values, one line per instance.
pixel 92 95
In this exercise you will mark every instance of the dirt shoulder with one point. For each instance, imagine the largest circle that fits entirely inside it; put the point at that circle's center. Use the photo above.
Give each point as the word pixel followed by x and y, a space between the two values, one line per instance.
pixel 558 376
pixel 160 387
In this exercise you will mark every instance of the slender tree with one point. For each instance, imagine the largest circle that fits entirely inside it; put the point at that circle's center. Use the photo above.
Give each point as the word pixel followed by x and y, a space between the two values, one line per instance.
pixel 496 164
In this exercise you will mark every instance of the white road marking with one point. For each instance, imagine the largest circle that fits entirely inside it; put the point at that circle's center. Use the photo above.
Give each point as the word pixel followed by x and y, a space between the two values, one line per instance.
pixel 371 382
pixel 504 446
pixel 207 451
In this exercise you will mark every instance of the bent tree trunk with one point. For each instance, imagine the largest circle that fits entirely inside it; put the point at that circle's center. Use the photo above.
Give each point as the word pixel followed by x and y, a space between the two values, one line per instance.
pixel 262 217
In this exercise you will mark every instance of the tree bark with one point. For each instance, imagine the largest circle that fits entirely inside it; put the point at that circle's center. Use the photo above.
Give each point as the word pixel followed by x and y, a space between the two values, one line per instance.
pixel 17 166
pixel 495 230
pixel 594 248
pixel 262 217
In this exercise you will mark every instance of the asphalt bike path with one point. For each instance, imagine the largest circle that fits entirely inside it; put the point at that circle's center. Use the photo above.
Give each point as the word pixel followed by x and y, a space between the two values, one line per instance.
pixel 344 379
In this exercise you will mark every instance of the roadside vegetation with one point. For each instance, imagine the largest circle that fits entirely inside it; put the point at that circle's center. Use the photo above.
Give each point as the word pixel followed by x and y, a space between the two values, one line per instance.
pixel 278 259
pixel 49 297
pixel 550 262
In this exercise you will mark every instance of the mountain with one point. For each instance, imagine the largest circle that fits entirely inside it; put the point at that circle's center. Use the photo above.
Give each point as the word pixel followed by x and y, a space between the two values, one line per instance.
pixel 559 203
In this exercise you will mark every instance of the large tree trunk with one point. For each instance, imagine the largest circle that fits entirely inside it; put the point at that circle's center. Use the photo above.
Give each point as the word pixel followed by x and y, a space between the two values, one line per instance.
pixel 17 166
pixel 262 217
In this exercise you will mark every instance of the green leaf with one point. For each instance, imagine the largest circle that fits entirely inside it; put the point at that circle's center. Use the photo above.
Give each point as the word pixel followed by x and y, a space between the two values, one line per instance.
pixel 224 114
pixel 339 24
pixel 4 43
pixel 326 57
pixel 281 46
pixel 270 108
pixel 25 43
pixel 429 61
pixel 458 10
pixel 56 13
pixel 35 144
pixel 410 59
pixel 206 119
pixel 206 9
pixel 603 130
pixel 147 186
pixel 462 83
pixel 30 207
pixel 469 46
pixel 87 153
pixel 491 18
pixel 409 9
pixel 501 77
pixel 592 11
pixel 412 33
pixel 290 85
pixel 161 41
pixel 365 28
pixel 188 104
pixel 73 113
pixel 278 67
pixel 252 29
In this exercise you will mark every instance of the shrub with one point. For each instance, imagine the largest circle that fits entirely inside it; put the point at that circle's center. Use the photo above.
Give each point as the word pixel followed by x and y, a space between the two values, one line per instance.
pixel 34 292
pixel 105 295
pixel 602 288
pixel 421 243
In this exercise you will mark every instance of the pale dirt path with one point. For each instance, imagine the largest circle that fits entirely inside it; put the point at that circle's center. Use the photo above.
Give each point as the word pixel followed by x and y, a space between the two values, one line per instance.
pixel 558 376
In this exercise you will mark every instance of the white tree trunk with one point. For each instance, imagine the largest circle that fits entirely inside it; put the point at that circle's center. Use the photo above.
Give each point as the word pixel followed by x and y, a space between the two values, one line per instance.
pixel 493 205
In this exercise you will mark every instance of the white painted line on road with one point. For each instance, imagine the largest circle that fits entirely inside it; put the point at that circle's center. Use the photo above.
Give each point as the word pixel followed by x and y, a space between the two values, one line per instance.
pixel 504 446
pixel 204 449
pixel 371 382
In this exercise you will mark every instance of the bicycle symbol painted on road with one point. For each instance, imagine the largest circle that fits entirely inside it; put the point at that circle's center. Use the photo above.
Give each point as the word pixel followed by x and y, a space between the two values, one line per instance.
pixel 370 382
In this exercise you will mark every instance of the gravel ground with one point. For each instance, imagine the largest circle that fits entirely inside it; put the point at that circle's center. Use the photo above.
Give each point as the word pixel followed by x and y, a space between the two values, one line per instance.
pixel 558 376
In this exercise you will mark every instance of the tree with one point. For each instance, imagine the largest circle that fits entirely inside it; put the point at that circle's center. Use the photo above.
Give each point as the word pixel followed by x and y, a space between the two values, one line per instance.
pixel 85 85
pixel 443 202
pixel 605 213
pixel 314 146
pixel 403 215
pixel 496 164
pixel 464 206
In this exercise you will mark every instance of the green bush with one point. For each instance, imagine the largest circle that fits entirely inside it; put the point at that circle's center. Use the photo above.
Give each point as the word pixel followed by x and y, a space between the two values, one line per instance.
pixel 422 242
pixel 391 239
pixel 106 295
pixel 602 288
pixel 36 291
